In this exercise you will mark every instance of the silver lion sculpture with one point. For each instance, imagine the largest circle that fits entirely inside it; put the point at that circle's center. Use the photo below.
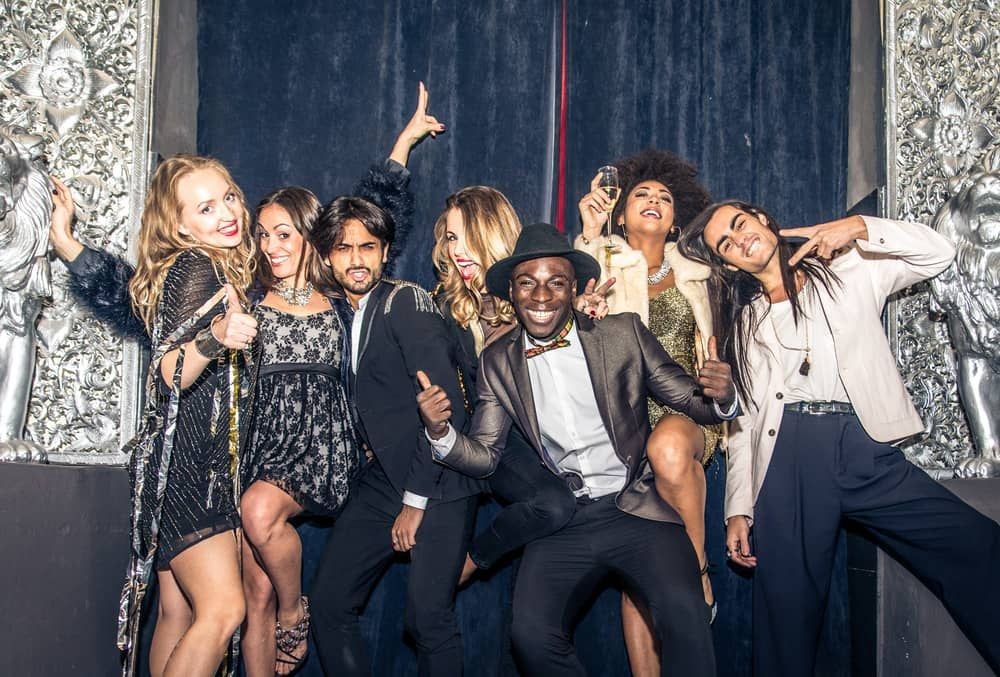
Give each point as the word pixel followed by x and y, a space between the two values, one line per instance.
pixel 25 281
pixel 969 292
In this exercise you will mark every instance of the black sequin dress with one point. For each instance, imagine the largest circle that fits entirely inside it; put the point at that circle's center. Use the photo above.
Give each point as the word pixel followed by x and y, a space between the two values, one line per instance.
pixel 303 441
pixel 199 501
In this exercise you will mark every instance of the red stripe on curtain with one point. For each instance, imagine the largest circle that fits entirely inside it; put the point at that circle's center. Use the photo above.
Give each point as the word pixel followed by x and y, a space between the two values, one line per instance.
pixel 563 106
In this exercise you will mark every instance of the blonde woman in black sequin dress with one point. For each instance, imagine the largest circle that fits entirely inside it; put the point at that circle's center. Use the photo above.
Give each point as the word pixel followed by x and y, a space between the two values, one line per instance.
pixel 195 257
pixel 660 195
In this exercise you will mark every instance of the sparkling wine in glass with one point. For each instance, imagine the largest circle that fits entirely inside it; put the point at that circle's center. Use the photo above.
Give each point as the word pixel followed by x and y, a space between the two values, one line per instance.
pixel 608 183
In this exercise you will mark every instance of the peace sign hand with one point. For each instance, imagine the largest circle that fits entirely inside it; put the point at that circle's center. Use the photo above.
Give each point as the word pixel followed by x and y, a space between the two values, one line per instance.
pixel 826 239
pixel 593 302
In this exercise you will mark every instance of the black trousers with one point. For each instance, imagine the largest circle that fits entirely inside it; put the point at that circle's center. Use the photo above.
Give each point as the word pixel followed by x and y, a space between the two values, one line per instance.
pixel 655 562
pixel 357 554
pixel 539 503
pixel 825 469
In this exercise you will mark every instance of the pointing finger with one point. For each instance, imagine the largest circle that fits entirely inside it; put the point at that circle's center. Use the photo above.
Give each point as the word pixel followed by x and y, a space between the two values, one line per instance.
pixel 803 231
pixel 802 252
pixel 422 99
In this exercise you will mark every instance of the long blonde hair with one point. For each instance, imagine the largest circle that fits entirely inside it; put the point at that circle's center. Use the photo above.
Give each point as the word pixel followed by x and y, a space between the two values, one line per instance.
pixel 161 242
pixel 491 230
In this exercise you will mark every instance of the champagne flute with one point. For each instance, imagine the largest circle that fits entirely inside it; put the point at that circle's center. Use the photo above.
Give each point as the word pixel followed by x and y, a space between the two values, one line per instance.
pixel 608 182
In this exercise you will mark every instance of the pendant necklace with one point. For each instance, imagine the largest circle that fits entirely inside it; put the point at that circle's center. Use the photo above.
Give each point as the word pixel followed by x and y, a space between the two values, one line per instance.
pixel 806 363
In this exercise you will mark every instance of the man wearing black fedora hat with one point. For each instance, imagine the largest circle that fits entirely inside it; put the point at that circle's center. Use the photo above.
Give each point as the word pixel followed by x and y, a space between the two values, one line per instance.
pixel 576 390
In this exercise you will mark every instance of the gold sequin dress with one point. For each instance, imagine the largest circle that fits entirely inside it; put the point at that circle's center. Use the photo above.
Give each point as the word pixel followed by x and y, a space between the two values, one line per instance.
pixel 672 322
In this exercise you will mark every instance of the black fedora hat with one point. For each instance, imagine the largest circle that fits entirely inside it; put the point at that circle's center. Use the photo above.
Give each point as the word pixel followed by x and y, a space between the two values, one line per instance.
pixel 538 241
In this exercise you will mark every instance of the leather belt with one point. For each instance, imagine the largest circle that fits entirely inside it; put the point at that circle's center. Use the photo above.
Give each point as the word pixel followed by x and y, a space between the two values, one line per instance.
pixel 820 408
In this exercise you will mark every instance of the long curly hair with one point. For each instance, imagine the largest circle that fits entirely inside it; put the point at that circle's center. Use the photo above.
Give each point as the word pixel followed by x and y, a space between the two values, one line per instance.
pixel 491 230
pixel 679 176
pixel 303 208
pixel 161 242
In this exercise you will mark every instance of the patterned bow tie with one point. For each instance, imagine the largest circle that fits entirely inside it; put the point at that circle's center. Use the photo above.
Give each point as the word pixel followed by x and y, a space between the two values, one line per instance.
pixel 558 342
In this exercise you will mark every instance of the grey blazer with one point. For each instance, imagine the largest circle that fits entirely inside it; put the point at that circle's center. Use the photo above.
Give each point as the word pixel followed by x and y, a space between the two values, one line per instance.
pixel 626 362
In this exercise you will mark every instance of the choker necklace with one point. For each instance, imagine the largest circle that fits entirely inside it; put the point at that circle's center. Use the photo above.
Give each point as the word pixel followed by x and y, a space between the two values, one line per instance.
pixel 293 296
pixel 659 275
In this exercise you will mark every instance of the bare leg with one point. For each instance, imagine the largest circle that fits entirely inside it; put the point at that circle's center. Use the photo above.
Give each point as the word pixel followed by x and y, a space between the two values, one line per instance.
pixel 674 449
pixel 262 608
pixel 209 575
pixel 266 510
pixel 173 618
pixel 643 654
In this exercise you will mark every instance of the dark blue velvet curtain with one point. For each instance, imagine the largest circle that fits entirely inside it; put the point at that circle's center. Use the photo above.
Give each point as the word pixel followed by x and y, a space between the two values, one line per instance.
pixel 753 91
pixel 312 92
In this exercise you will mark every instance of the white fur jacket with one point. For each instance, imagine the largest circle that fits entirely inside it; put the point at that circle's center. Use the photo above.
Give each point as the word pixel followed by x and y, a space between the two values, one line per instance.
pixel 631 291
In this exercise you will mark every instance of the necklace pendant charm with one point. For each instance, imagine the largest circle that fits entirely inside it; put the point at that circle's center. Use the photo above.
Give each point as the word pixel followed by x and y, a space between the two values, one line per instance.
pixel 804 367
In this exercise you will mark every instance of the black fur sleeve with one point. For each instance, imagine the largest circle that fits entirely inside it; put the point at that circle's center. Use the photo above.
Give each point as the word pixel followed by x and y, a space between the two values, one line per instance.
pixel 98 281
pixel 387 186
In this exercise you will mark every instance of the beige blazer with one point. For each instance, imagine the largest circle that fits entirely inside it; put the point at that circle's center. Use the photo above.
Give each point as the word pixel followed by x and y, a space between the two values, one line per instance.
pixel 895 256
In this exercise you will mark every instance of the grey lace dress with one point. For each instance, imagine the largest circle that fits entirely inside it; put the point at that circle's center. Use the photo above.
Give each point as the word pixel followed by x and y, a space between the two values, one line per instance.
pixel 304 440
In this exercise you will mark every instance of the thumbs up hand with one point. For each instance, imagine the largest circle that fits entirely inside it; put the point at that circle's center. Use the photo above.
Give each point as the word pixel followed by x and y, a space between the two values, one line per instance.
pixel 716 378
pixel 435 407
pixel 235 329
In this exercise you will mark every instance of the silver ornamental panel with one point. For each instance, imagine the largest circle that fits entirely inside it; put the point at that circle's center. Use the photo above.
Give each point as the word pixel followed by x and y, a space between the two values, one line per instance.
pixel 78 74
pixel 942 117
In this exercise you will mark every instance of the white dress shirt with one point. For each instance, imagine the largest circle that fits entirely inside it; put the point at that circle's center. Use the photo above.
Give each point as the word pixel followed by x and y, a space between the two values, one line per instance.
pixel 573 434
pixel 356 323
pixel 569 421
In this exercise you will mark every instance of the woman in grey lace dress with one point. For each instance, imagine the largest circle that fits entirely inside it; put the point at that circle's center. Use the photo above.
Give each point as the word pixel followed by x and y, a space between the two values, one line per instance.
pixel 304 451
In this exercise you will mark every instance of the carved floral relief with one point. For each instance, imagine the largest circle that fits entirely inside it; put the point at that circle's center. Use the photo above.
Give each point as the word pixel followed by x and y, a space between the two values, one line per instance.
pixel 77 74
pixel 943 116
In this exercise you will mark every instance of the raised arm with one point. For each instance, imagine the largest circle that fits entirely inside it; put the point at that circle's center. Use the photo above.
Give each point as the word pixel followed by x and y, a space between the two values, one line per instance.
pixel 98 280
pixel 419 126
pixel 903 253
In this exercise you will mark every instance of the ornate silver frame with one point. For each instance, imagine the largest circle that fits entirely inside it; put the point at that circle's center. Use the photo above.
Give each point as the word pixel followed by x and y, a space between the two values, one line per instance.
pixel 81 73
pixel 941 73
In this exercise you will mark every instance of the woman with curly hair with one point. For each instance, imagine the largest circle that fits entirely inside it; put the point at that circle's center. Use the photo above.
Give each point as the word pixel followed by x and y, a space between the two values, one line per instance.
pixel 196 258
pixel 660 195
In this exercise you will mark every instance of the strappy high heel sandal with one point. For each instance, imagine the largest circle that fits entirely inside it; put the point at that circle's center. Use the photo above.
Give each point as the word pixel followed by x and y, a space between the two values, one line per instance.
pixel 714 606
pixel 288 639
